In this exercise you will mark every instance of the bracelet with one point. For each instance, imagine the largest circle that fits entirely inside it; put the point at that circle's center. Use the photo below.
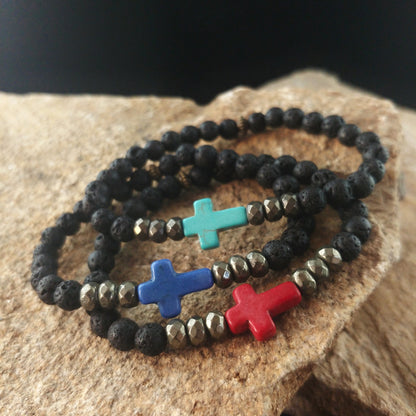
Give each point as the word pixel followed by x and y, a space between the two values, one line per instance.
pixel 112 183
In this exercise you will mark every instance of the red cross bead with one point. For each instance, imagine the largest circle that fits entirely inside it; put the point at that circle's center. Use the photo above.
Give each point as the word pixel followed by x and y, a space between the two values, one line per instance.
pixel 255 311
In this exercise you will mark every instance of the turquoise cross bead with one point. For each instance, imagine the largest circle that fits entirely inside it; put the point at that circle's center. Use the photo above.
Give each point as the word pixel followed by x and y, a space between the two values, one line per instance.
pixel 206 222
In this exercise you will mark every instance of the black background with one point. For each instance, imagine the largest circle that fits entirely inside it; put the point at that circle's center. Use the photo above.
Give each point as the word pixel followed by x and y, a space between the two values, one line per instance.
pixel 198 49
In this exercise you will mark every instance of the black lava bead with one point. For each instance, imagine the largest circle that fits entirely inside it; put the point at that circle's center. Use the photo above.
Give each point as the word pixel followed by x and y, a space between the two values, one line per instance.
pixel 66 295
pixel 168 165
pixel 348 245
pixel 102 219
pixel 266 175
pixel 152 197
pixel 293 118
pixel 122 229
pixel 154 149
pixel 256 122
pixel 45 249
pixel 200 177
pixel 322 177
pixel 123 166
pixel 40 273
pixel 226 160
pixel 274 117
pixel 285 164
pixel 366 139
pixel 98 193
pixel 150 339
pixel 304 170
pixel 112 178
pixel 53 237
pixel 356 208
pixel 348 133
pixel 375 168
pixel 190 134
pixel 209 130
pixel 278 254
pixel 140 179
pixel 96 277
pixel 101 320
pixel 228 129
pixel 246 166
pixel 331 125
pixel 185 154
pixel 171 140
pixel 359 226
pixel 312 123
pixel 107 243
pixel 69 223
pixel 206 157
pixel 285 184
pixel 312 200
pixel 44 260
pixel 307 223
pixel 134 208
pixel 362 184
pixel 297 239
pixel 376 151
pixel 101 260
pixel 137 156
pixel 121 334
pixel 79 212
pixel 338 193
pixel 265 159
pixel 46 288
pixel 170 187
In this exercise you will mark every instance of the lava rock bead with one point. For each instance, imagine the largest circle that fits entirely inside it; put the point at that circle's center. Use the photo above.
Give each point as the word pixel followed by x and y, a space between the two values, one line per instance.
pixel 168 165
pixel 106 243
pixel 53 237
pixel 256 122
pixel 123 166
pixel 306 223
pixel 169 186
pixel 285 164
pixel 190 134
pixel 44 260
pixel 152 198
pixel 171 140
pixel 101 260
pixel 140 179
pixel 297 239
pixel 122 229
pixel 199 176
pixel 322 177
pixel 312 200
pixel 121 334
pixel 46 288
pixel 98 193
pixel 278 254
pixel 304 170
pixel 69 223
pixel 151 339
pixel 373 167
pixel 338 193
pixel 96 277
pixel 154 149
pixel 331 125
pixel 102 219
pixel 292 118
pixel 101 320
pixel 246 166
pixel 355 208
pixel 185 154
pixel 359 226
pixel 366 139
pixel 274 117
pixel 362 184
pixel 347 244
pixel 66 295
pixel 205 157
pixel 376 151
pixel 266 175
pixel 40 273
pixel 209 130
pixel 137 156
pixel 285 184
pixel 228 129
pixel 312 123
pixel 134 208
pixel 348 133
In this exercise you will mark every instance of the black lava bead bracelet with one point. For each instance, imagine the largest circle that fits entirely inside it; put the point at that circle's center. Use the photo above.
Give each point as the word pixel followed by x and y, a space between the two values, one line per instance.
pixel 283 174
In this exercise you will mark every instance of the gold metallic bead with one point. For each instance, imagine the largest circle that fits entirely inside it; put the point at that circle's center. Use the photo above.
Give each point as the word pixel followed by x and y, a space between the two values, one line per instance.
pixel 174 229
pixel 255 213
pixel 222 274
pixel 157 231
pixel 273 209
pixel 89 296
pixel 176 334
pixel 184 179
pixel 331 257
pixel 290 205
pixel 216 325
pixel 242 126
pixel 141 228
pixel 127 295
pixel 258 264
pixel 107 294
pixel 195 329
pixel 154 172
pixel 304 281
pixel 318 269
pixel 239 268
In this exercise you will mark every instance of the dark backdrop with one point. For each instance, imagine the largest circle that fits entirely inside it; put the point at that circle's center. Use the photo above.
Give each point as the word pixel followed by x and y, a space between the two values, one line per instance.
pixel 198 49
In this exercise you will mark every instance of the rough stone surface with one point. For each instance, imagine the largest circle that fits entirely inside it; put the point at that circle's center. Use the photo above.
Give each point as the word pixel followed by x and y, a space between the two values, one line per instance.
pixel 52 146
pixel 372 369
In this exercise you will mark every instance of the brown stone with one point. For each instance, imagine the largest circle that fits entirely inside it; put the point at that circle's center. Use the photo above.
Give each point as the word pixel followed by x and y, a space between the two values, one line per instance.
pixel 52 146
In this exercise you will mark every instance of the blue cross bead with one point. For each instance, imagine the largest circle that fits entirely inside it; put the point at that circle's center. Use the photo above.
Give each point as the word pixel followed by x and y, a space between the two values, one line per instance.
pixel 206 223
pixel 166 287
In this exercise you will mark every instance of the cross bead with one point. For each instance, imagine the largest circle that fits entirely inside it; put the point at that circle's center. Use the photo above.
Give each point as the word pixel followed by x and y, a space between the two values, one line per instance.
pixel 206 222
pixel 166 287
pixel 255 311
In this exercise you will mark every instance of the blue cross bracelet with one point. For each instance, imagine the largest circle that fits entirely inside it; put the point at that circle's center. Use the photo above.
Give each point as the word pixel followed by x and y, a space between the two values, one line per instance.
pixel 166 287
pixel 206 222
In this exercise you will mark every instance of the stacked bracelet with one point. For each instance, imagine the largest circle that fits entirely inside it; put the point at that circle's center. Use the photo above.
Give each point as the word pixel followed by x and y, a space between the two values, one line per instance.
pixel 284 175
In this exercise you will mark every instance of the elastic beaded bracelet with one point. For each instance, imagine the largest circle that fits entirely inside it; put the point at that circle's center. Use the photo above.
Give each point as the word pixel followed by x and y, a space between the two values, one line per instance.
pixel 340 193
